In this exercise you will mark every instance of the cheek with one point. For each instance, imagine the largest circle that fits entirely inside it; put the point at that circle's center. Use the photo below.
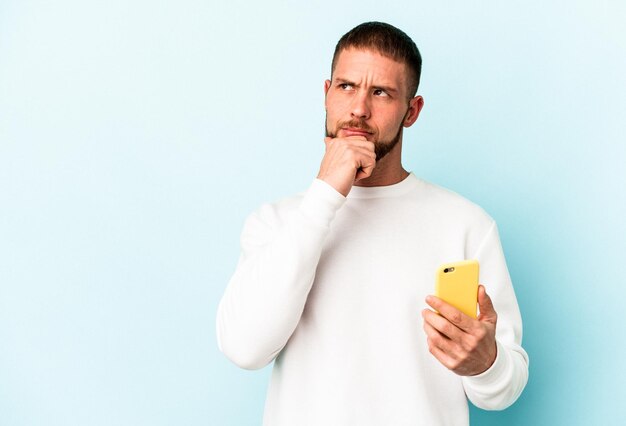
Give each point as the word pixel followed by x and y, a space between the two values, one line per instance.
pixel 398 120
pixel 390 123
pixel 334 112
pixel 337 103
pixel 331 109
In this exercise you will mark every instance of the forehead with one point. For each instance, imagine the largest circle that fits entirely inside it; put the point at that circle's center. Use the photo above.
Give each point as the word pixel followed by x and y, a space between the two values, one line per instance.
pixel 357 64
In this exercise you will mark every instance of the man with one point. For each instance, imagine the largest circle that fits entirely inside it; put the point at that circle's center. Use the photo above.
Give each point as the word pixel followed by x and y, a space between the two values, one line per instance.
pixel 331 284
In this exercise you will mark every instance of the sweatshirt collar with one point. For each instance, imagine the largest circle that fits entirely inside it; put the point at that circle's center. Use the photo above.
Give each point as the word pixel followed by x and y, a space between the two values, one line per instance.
pixel 387 191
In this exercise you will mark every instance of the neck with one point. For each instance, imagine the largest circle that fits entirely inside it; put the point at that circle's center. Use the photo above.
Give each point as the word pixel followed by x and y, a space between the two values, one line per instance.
pixel 388 170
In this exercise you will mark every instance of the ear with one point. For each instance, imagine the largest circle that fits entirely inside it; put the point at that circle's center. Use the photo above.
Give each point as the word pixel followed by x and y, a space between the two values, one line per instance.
pixel 415 107
pixel 326 87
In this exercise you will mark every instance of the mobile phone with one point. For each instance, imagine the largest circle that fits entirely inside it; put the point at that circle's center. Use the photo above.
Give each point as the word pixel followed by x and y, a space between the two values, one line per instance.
pixel 457 284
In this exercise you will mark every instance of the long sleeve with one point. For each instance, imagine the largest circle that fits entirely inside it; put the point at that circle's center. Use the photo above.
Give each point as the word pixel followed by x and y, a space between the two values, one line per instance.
pixel 501 385
pixel 264 299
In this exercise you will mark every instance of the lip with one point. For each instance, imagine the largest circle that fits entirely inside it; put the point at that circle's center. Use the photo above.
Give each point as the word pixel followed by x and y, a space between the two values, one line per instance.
pixel 350 131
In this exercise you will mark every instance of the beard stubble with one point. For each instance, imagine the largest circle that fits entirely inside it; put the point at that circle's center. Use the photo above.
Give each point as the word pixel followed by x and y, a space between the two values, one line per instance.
pixel 381 148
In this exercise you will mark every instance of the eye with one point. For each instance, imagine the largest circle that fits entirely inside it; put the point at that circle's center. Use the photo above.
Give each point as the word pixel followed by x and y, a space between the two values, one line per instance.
pixel 380 92
pixel 345 86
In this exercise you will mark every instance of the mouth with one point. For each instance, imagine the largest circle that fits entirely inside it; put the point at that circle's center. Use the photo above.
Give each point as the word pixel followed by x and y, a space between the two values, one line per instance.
pixel 355 131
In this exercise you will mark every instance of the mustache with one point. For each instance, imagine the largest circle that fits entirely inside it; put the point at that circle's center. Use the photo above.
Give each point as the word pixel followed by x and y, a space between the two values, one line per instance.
pixel 355 124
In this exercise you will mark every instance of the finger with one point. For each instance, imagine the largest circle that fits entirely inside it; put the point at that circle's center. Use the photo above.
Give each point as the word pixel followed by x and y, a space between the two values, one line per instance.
pixel 366 167
pixel 487 311
pixel 363 173
pixel 451 313
pixel 437 340
pixel 442 325
pixel 369 160
pixel 356 138
pixel 364 143
pixel 365 158
pixel 356 141
pixel 363 150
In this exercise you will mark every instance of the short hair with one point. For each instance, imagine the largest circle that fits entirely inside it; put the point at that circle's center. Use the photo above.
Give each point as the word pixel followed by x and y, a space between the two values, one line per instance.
pixel 388 41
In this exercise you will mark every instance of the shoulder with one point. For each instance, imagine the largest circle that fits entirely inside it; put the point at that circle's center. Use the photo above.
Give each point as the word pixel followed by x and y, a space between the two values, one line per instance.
pixel 318 203
pixel 454 217
pixel 311 211
pixel 448 203
pixel 272 215
pixel 276 210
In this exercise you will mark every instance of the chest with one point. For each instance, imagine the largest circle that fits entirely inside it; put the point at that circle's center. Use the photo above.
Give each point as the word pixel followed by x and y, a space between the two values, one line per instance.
pixel 377 255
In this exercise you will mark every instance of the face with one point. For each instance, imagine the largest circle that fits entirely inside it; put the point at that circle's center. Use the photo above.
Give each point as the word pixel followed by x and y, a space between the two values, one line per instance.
pixel 368 97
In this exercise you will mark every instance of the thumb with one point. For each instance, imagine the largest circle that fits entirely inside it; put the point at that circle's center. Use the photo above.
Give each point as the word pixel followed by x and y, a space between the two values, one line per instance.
pixel 487 312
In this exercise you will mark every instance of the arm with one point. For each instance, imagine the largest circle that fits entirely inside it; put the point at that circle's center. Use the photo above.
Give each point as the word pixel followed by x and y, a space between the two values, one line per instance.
pixel 266 296
pixel 486 351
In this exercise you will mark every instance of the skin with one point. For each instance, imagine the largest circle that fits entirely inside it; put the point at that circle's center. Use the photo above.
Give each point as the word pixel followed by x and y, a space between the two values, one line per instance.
pixel 464 345
pixel 372 90
pixel 367 103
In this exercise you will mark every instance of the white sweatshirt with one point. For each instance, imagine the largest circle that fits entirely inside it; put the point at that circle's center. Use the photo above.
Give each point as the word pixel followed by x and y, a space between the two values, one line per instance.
pixel 332 289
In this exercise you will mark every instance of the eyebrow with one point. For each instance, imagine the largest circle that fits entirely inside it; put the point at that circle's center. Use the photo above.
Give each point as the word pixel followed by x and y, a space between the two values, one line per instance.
pixel 339 80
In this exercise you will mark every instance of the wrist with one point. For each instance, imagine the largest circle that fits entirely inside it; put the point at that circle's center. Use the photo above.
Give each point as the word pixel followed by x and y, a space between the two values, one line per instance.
pixel 338 185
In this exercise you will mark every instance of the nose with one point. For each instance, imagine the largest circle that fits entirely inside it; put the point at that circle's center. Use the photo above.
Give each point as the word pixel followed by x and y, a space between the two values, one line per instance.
pixel 360 106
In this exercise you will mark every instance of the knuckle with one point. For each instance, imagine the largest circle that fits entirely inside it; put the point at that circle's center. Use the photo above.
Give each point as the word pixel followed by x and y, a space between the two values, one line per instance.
pixel 454 364
pixel 470 344
pixel 456 317
pixel 448 329
pixel 461 359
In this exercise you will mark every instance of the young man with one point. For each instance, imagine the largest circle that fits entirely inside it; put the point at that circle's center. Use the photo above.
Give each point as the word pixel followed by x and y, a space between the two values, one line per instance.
pixel 331 284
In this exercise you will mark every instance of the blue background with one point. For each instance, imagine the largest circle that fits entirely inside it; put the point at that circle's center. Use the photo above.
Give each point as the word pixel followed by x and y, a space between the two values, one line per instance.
pixel 136 136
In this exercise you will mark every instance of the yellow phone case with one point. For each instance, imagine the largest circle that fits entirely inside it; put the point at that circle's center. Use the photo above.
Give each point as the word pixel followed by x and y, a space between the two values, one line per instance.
pixel 457 284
